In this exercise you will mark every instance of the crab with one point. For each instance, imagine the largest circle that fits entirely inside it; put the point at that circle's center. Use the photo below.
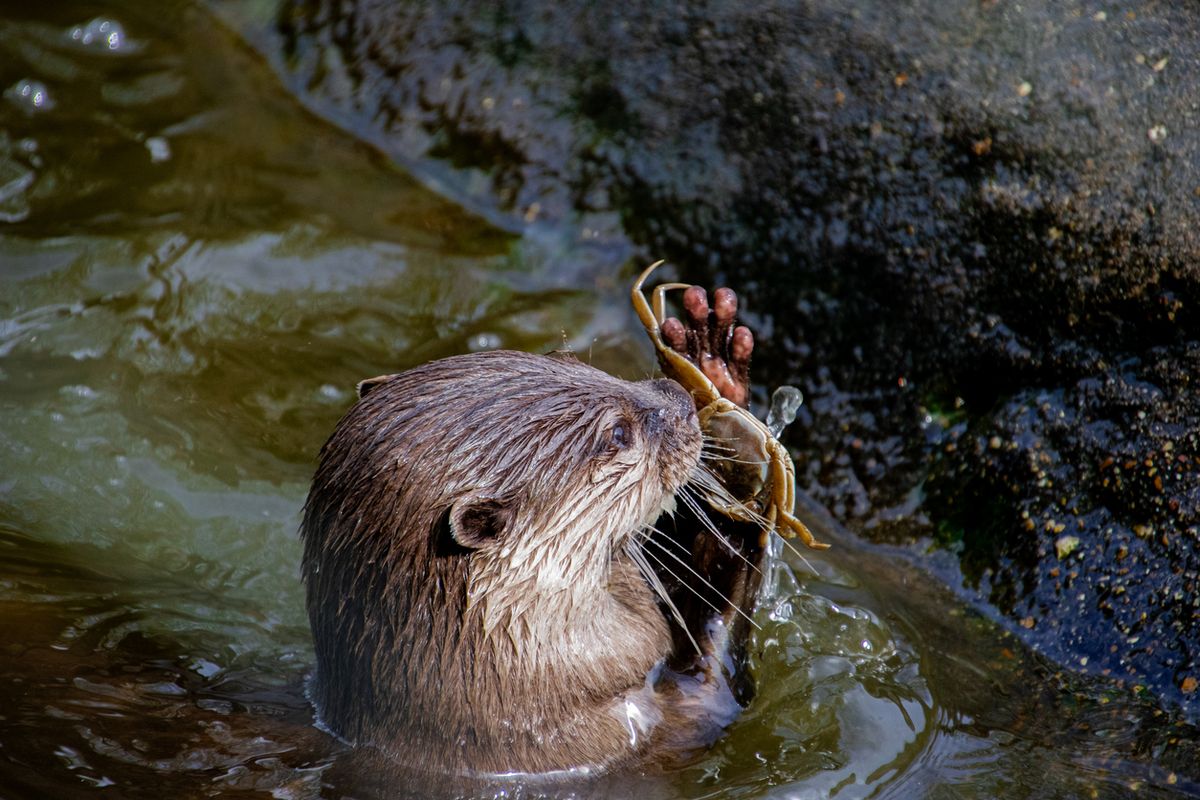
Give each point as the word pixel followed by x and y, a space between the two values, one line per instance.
pixel 754 469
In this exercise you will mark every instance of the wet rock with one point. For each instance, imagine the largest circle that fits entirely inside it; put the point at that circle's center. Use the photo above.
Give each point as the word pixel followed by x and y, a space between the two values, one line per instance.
pixel 967 231
pixel 1101 480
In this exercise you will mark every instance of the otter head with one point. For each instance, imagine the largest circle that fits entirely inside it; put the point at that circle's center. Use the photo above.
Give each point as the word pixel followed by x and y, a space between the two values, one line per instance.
pixel 467 558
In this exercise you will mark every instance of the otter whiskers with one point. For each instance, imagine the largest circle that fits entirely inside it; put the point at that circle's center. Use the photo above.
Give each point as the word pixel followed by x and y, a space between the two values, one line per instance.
pixel 638 556
pixel 637 552
pixel 711 528
pixel 701 578
pixel 704 483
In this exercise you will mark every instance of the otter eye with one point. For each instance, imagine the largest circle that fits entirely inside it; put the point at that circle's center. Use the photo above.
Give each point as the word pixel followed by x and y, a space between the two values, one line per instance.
pixel 619 436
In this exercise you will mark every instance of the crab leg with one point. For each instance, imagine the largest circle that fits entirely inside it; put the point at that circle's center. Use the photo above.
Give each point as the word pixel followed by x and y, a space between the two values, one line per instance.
pixel 660 298
pixel 652 317
pixel 798 528
pixel 641 307
pixel 783 501
pixel 780 456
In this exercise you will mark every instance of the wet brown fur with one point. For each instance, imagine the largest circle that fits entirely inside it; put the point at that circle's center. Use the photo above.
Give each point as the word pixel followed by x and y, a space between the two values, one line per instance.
pixel 472 604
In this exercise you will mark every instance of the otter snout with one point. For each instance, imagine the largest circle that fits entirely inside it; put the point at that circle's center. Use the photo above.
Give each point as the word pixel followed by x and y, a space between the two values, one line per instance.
pixel 671 425
pixel 674 410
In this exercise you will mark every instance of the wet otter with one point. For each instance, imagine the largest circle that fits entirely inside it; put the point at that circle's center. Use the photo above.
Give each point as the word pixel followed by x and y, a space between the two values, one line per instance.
pixel 478 597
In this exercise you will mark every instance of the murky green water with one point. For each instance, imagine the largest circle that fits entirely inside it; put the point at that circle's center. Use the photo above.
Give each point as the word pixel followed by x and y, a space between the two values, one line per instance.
pixel 194 272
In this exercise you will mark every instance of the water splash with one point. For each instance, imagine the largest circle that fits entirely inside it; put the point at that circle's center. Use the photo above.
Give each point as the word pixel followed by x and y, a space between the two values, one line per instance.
pixel 785 402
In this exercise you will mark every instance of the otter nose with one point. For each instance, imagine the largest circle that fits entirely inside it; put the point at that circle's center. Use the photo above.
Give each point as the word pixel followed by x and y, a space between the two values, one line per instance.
pixel 674 406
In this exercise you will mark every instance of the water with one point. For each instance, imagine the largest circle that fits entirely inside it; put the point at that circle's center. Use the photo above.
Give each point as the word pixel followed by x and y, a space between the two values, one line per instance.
pixel 194 273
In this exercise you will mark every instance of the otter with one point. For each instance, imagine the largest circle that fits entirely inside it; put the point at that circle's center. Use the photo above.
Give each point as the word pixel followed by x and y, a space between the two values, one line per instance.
pixel 478 595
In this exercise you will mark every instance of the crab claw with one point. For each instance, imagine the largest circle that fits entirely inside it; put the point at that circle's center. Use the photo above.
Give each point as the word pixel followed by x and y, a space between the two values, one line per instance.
pixel 762 475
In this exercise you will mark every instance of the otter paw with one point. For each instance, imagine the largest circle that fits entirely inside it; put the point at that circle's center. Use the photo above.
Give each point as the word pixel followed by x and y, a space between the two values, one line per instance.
pixel 710 338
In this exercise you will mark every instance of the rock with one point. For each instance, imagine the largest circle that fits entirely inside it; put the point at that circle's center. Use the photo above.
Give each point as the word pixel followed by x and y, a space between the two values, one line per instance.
pixel 967 230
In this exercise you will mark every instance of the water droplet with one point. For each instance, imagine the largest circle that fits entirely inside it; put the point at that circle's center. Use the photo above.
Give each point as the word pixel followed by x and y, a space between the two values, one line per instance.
pixel 785 402
pixel 99 34
pixel 484 341
pixel 30 95
pixel 330 393
pixel 160 149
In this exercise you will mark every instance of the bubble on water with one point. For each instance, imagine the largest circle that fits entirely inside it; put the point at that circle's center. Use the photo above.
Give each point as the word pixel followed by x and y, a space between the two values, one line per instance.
pixel 484 341
pixel 30 95
pixel 99 34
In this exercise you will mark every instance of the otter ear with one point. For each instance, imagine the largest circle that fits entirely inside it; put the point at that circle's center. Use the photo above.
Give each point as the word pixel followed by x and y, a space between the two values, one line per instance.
pixel 476 521
pixel 364 387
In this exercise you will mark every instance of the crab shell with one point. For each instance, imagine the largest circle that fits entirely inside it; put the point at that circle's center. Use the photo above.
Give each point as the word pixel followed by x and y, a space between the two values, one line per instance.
pixel 758 474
